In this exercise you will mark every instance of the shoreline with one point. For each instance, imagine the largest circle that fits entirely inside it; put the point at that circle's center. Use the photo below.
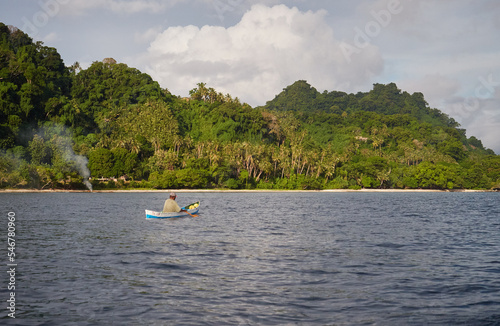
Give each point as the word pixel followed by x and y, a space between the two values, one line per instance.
pixel 236 190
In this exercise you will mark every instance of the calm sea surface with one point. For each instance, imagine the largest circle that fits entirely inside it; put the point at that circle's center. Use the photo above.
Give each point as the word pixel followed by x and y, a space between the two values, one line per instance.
pixel 254 259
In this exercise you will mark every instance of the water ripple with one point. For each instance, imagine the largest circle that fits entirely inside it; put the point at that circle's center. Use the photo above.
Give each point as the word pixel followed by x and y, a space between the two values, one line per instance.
pixel 356 259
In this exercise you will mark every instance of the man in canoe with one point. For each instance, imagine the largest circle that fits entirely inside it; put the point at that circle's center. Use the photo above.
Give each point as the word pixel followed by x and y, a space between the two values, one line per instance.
pixel 171 205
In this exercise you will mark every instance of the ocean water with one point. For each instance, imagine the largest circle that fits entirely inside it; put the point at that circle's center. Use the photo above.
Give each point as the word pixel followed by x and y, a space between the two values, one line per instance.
pixel 280 258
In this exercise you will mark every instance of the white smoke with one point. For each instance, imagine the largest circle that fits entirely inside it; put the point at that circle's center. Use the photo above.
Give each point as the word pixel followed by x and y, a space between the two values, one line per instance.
pixel 60 137
pixel 80 162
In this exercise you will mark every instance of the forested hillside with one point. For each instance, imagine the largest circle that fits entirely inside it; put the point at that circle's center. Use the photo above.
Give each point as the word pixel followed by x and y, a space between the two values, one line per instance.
pixel 57 121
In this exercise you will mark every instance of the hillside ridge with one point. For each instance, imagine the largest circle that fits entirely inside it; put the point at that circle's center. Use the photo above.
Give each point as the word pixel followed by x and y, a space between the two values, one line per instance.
pixel 128 132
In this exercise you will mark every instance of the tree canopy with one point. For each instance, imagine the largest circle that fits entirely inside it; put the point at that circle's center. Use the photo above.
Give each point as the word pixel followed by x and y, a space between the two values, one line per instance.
pixel 133 133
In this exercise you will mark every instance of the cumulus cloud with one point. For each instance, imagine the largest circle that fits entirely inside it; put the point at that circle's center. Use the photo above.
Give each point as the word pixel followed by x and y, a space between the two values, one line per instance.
pixel 147 36
pixel 270 48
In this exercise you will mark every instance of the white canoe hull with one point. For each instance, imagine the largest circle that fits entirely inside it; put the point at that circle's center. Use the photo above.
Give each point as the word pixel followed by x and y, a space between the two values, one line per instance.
pixel 153 214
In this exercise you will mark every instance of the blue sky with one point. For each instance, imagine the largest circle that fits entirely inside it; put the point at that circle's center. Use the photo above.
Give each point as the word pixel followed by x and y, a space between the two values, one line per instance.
pixel 446 49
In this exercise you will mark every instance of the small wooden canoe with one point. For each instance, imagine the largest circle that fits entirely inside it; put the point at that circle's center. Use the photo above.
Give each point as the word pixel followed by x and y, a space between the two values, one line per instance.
pixel 191 208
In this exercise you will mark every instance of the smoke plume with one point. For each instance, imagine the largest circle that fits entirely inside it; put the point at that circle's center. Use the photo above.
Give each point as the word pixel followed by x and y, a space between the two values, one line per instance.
pixel 80 163
pixel 60 138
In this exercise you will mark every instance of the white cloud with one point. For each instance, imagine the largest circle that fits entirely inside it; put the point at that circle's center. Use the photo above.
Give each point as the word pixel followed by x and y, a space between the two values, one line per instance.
pixel 147 36
pixel 270 48
pixel 78 7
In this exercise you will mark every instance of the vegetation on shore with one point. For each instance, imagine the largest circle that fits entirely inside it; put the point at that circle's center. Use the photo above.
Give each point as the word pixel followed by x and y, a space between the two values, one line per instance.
pixel 59 125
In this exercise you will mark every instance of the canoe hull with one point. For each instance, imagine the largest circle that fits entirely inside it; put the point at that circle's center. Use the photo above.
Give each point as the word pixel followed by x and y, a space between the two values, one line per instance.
pixel 154 214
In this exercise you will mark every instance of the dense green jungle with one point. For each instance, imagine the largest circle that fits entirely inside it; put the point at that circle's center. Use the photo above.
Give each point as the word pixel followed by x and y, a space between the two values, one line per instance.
pixel 112 127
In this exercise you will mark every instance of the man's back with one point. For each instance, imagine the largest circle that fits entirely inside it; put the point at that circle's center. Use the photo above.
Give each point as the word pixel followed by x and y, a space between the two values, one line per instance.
pixel 171 206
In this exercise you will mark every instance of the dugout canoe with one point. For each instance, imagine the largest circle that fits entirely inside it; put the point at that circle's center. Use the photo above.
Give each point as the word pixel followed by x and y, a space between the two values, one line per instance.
pixel 191 208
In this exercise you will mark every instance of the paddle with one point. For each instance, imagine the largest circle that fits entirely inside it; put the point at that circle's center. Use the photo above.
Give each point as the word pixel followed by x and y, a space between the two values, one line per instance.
pixel 193 215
